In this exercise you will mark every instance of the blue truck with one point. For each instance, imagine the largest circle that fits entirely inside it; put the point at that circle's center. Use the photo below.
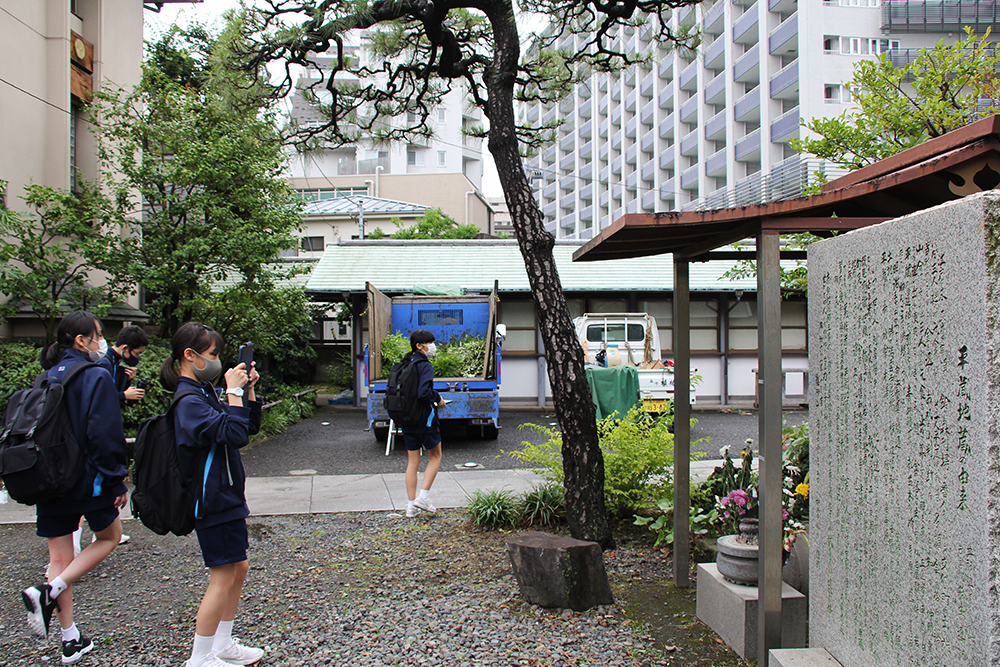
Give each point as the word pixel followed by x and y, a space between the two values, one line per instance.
pixel 474 401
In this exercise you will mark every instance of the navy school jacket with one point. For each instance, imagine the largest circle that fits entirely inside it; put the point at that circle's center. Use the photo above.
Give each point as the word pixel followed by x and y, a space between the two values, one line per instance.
pixel 112 362
pixel 425 392
pixel 201 421
pixel 96 420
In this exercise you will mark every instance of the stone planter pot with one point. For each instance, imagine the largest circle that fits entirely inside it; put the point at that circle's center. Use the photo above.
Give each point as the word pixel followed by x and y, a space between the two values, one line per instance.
pixel 737 561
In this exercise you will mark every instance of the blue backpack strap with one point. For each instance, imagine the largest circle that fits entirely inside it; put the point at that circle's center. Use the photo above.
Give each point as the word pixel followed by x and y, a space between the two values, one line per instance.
pixel 204 482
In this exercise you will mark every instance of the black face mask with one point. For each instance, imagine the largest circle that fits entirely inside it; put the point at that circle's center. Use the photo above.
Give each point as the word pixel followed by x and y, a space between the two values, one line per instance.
pixel 130 360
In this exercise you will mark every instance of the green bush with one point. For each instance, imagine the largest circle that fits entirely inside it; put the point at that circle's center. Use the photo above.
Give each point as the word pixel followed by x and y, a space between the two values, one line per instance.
pixel 18 367
pixel 496 508
pixel 638 459
pixel 457 358
pixel 543 505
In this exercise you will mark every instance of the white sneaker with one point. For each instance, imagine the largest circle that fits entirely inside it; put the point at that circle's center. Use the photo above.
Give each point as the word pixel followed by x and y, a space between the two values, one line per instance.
pixel 425 505
pixel 124 539
pixel 411 511
pixel 237 654
pixel 208 661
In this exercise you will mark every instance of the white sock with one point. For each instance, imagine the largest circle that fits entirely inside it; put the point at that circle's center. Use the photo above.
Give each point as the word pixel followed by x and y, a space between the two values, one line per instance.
pixel 201 650
pixel 71 633
pixel 58 586
pixel 410 505
pixel 223 636
pixel 77 534
pixel 425 494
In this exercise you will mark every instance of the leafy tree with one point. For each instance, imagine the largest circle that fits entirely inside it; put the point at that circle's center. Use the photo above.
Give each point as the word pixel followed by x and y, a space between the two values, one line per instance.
pixel 942 89
pixel 421 51
pixel 434 224
pixel 46 257
pixel 280 326
pixel 203 164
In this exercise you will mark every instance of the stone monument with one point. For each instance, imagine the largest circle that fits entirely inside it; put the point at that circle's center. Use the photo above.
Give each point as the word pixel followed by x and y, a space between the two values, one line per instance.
pixel 905 441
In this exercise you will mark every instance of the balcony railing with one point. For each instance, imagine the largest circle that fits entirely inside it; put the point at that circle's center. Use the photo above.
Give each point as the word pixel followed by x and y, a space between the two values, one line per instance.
pixel 909 16
pixel 665 99
pixel 713 22
pixel 747 105
pixel 785 84
pixel 689 179
pixel 785 125
pixel 689 110
pixel 715 55
pixel 784 38
pixel 689 144
pixel 787 180
pixel 748 146
pixel 745 28
pixel 747 68
pixel 716 126
pixel 716 163
pixel 715 91
pixel 689 77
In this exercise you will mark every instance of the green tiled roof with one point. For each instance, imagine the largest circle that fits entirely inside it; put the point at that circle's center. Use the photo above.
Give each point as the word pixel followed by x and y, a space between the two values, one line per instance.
pixel 398 266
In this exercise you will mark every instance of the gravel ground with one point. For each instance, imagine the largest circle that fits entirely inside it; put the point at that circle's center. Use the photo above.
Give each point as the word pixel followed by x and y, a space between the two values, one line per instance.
pixel 362 589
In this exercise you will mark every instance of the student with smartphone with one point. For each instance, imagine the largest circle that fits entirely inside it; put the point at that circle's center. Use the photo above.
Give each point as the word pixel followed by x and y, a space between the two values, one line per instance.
pixel 428 436
pixel 209 435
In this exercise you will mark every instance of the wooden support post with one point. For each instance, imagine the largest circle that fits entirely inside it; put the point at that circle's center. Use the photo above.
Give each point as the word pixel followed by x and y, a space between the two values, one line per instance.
pixel 682 423
pixel 769 444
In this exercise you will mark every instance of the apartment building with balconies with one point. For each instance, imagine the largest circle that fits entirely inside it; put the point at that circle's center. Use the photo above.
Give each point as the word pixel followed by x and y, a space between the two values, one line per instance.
pixel 711 127
pixel 443 171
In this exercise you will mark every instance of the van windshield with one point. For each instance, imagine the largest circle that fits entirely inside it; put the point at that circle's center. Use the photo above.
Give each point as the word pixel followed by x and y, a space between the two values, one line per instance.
pixel 616 333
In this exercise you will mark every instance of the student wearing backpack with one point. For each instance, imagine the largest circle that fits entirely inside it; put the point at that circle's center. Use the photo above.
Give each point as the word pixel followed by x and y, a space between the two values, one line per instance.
pixel 95 419
pixel 122 359
pixel 209 436
pixel 428 435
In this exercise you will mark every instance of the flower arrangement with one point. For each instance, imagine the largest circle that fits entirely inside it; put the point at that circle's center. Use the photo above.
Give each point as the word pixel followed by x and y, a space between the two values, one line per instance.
pixel 737 500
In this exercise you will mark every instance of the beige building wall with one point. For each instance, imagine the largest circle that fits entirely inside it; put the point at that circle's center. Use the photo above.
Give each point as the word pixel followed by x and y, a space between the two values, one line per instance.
pixel 35 100
pixel 452 193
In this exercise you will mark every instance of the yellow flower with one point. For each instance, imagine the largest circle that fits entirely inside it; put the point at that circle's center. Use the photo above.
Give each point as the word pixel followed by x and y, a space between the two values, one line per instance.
pixel 802 490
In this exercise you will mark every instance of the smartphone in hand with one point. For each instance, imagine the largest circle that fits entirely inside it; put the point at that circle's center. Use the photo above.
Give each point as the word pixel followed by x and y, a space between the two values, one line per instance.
pixel 245 356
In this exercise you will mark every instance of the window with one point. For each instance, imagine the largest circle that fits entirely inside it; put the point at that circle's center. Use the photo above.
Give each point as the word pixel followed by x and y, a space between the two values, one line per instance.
pixel 322 194
pixel 442 158
pixel 743 327
pixel 519 317
pixel 74 118
pixel 312 243
pixel 414 158
pixel 615 333
pixel 431 318
pixel 442 115
pixel 835 94
pixel 831 44
pixel 411 118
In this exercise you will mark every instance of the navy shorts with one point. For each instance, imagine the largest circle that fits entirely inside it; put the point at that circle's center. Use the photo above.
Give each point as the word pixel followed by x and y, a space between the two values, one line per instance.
pixel 415 440
pixel 225 543
pixel 65 524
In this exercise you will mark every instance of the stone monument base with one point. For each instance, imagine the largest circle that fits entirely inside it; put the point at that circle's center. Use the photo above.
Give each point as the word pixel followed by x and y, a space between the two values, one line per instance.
pixel 801 657
pixel 731 610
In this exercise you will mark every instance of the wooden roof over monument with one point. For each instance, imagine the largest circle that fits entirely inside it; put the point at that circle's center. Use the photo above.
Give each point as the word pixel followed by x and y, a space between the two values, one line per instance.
pixel 942 169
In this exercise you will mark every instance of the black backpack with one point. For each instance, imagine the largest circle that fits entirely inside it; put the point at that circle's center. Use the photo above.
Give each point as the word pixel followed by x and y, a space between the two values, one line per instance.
pixel 401 395
pixel 163 500
pixel 40 459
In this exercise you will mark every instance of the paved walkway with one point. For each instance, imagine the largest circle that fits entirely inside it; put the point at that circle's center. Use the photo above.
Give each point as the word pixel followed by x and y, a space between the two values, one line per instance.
pixel 318 494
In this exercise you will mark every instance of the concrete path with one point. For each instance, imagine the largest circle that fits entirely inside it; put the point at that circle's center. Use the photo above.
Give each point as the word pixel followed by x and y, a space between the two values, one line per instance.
pixel 318 494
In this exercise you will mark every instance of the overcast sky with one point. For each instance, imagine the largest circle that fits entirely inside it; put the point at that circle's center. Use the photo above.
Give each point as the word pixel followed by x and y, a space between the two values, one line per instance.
pixel 210 13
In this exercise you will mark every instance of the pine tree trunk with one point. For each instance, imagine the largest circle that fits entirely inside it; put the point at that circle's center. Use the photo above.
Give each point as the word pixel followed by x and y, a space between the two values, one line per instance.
pixel 583 463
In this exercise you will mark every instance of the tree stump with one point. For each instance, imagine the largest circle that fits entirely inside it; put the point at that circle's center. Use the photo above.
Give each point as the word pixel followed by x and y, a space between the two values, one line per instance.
pixel 556 571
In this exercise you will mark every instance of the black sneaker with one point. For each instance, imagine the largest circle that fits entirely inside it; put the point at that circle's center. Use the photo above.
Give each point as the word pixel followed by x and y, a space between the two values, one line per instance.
pixel 74 650
pixel 40 607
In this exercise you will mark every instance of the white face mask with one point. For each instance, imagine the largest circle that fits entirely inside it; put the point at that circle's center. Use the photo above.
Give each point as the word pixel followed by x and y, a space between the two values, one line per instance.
pixel 431 349
pixel 100 352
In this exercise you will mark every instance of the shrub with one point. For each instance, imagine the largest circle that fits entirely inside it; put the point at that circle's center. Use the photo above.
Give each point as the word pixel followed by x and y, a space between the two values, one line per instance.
pixel 459 357
pixel 638 456
pixel 18 367
pixel 543 505
pixel 492 509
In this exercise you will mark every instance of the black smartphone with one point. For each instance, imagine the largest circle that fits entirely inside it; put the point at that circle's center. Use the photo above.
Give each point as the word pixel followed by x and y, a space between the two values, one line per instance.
pixel 245 356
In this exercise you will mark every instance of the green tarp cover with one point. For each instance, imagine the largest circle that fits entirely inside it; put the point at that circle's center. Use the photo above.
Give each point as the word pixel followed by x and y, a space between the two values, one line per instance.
pixel 613 389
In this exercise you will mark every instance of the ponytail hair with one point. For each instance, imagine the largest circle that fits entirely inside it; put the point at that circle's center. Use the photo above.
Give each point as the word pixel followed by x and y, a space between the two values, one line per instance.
pixel 190 335
pixel 421 336
pixel 76 323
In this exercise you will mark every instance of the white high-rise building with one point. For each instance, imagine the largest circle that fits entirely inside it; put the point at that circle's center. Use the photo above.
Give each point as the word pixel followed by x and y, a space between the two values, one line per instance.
pixel 437 171
pixel 710 128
